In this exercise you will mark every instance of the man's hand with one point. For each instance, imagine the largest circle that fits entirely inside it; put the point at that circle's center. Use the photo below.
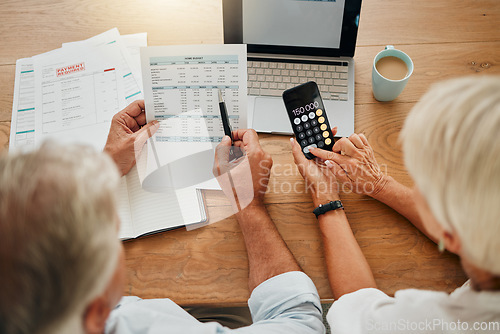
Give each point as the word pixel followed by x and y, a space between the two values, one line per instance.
pixel 354 165
pixel 320 181
pixel 244 180
pixel 128 134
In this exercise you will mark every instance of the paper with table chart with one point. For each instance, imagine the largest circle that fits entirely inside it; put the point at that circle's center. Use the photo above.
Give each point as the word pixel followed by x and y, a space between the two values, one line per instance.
pixel 70 95
pixel 181 84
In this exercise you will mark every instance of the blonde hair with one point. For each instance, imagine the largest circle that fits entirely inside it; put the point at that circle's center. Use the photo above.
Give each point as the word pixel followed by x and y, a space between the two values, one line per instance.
pixel 58 236
pixel 451 144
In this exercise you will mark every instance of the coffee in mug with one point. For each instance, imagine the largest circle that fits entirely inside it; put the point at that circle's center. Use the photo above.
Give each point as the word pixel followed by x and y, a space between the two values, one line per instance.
pixel 392 68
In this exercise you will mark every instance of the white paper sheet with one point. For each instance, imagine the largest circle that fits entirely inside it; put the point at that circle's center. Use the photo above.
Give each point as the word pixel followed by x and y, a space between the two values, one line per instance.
pixel 22 134
pixel 181 84
pixel 133 43
pixel 77 93
pixel 131 82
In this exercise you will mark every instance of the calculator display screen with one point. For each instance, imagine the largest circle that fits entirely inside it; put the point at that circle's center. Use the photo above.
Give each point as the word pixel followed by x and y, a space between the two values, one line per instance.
pixel 303 100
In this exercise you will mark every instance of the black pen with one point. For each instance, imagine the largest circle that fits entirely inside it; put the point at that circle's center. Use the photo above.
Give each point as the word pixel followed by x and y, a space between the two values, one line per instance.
pixel 225 117
pixel 228 132
pixel 225 124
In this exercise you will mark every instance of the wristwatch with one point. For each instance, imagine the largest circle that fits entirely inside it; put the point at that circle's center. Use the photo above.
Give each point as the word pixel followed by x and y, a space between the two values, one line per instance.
pixel 324 208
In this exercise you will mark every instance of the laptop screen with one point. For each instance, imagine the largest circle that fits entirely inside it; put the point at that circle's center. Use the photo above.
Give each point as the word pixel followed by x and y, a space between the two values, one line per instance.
pixel 299 27
pixel 293 22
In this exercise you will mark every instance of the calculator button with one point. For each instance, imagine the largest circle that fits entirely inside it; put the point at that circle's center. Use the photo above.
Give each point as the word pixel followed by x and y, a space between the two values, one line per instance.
pixel 309 133
pixel 328 141
pixel 306 149
pixel 304 118
pixel 302 135
pixel 322 127
pixel 316 130
pixel 307 126
pixel 296 121
pixel 321 119
pixel 319 112
pixel 311 115
pixel 319 137
pixel 303 142
pixel 326 134
pixel 299 128
pixel 314 122
pixel 311 140
pixel 321 144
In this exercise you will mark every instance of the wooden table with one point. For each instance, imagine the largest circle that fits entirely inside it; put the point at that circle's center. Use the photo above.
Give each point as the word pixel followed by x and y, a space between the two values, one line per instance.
pixel 445 38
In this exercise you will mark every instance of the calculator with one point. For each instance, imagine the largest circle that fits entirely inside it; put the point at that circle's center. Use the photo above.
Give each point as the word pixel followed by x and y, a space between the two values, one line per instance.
pixel 308 117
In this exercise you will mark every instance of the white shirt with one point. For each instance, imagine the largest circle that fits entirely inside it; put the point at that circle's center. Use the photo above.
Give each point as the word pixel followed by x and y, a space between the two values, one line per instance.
pixel 416 311
pixel 288 303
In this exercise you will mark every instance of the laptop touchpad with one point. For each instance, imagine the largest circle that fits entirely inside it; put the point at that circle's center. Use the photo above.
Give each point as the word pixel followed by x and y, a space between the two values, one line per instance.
pixel 269 115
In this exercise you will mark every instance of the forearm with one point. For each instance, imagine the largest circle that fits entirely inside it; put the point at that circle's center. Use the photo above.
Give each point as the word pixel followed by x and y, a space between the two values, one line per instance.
pixel 347 268
pixel 401 199
pixel 268 254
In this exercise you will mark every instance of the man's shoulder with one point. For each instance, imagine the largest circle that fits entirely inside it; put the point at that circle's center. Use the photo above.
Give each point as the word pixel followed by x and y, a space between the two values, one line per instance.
pixel 136 315
pixel 289 300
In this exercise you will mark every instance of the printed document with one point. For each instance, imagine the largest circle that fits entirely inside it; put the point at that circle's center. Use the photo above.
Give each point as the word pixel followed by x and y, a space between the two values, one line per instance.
pixel 131 83
pixel 22 133
pixel 181 84
pixel 77 94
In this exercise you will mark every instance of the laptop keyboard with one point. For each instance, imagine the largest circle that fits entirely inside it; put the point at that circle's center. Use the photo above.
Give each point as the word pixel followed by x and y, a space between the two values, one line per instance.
pixel 272 78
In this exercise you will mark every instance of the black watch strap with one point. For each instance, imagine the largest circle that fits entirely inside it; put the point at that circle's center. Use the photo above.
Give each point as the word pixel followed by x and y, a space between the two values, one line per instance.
pixel 324 208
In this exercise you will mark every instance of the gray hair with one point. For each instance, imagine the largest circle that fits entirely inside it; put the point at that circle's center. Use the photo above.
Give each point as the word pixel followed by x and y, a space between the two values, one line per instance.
pixel 58 232
pixel 451 147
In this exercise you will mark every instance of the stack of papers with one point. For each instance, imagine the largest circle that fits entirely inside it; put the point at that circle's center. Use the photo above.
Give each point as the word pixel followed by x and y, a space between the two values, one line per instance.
pixel 71 94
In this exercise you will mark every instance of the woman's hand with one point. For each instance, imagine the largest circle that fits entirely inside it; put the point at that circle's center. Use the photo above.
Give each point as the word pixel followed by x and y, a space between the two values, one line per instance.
pixel 354 165
pixel 320 181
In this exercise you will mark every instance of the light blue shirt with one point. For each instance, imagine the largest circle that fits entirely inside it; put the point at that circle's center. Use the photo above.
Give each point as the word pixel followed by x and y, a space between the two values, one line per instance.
pixel 288 303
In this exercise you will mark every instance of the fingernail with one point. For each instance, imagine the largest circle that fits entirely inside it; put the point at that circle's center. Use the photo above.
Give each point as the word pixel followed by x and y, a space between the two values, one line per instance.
pixel 155 122
pixel 328 163
pixel 312 149
pixel 291 140
pixel 226 139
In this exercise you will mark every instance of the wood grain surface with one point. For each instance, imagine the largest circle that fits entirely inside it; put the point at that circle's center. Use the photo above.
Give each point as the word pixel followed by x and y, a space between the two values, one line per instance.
pixel 445 39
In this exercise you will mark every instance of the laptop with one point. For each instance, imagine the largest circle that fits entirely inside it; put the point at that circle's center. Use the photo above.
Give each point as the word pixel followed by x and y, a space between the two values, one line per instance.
pixel 290 42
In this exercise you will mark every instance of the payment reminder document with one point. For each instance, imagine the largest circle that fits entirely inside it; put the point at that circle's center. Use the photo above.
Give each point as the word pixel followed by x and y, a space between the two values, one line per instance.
pixel 77 95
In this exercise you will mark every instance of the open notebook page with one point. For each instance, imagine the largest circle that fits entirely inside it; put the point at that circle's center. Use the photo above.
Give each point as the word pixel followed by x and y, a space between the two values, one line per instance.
pixel 126 228
pixel 158 211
